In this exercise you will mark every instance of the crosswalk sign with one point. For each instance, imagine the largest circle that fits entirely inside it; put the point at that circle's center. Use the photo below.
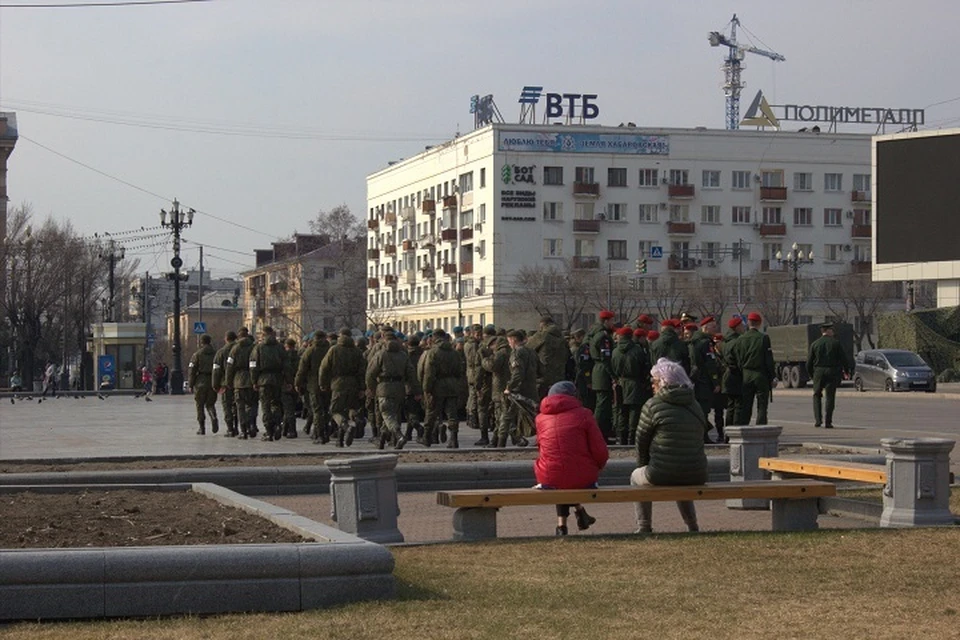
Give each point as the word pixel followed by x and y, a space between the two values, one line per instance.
pixel 199 328
pixel 656 252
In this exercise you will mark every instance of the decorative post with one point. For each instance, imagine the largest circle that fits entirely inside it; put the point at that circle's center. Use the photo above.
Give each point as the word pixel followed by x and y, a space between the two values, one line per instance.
pixel 179 220
pixel 917 493
pixel 363 497
pixel 747 446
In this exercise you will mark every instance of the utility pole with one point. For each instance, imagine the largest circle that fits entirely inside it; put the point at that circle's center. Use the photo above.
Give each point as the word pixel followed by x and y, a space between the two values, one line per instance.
pixel 179 220
pixel 112 255
pixel 911 296
pixel 200 293
pixel 740 275
pixel 609 285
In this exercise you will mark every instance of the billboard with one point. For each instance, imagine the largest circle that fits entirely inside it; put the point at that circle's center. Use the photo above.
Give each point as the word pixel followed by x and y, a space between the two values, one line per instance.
pixel 916 199
pixel 565 142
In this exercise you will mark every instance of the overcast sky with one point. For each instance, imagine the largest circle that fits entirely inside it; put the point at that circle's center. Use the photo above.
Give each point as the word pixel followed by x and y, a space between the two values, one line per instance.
pixel 311 96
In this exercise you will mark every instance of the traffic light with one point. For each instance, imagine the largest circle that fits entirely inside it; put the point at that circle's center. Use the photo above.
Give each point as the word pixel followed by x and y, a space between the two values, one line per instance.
pixel 642 265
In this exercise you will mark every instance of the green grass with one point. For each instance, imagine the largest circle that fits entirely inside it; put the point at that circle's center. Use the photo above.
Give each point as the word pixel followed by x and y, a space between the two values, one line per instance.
pixel 826 584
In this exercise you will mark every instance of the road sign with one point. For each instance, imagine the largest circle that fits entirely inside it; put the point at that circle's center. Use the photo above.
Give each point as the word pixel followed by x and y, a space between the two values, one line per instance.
pixel 656 252
pixel 151 338
pixel 199 328
pixel 176 262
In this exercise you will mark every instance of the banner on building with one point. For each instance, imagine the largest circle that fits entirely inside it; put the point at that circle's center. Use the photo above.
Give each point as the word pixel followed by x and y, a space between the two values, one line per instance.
pixel 566 142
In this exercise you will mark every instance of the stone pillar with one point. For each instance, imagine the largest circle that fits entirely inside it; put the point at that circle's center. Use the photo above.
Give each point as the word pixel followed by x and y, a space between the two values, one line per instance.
pixel 747 446
pixel 363 497
pixel 917 493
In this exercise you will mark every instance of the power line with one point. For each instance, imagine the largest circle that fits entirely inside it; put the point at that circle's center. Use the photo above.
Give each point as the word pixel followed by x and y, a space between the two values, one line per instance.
pixel 88 5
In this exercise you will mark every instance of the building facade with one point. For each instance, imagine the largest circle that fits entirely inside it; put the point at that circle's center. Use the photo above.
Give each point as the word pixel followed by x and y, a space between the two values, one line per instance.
pixel 511 221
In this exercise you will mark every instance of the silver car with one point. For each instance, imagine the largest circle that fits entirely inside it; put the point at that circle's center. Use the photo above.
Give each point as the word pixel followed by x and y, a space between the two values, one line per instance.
pixel 893 370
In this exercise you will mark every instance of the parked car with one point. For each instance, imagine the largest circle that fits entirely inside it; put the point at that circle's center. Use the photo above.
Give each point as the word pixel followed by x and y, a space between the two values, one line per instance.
pixel 893 370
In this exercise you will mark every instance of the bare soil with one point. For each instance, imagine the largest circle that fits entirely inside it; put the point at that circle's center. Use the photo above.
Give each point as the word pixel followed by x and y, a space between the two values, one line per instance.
pixel 126 518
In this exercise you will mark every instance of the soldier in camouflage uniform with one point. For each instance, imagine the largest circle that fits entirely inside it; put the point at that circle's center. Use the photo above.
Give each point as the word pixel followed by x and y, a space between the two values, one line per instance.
pixel 522 381
pixel 471 354
pixel 553 354
pixel 627 366
pixel 200 379
pixel 288 392
pixel 441 388
pixel 731 385
pixel 267 371
pixel 753 356
pixel 496 361
pixel 827 362
pixel 413 407
pixel 601 351
pixel 238 378
pixel 670 346
pixel 221 387
pixel 307 382
pixel 343 374
pixel 486 413
pixel 391 377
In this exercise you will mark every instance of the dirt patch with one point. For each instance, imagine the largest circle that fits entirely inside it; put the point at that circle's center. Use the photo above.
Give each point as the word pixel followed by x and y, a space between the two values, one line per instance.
pixel 125 518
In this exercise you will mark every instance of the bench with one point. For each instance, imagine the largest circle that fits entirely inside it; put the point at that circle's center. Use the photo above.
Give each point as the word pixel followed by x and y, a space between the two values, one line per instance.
pixel 794 501
pixel 820 467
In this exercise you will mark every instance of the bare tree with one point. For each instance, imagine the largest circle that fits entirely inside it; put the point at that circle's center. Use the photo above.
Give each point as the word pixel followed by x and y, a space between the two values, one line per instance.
pixel 670 301
pixel 339 224
pixel 856 299
pixel 773 298
pixel 559 291
pixel 712 297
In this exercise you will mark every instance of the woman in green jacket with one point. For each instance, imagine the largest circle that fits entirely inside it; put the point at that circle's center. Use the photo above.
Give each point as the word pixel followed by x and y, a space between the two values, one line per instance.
pixel 670 441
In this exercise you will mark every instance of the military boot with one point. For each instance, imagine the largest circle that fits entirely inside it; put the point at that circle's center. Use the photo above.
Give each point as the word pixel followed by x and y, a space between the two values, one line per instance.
pixel 382 439
pixel 452 442
pixel 484 439
pixel 501 442
pixel 427 438
pixel 201 431
pixel 348 433
pixel 215 426
pixel 443 433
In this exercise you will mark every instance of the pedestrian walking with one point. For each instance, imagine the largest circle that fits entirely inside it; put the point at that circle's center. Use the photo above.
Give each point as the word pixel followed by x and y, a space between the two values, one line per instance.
pixel 826 362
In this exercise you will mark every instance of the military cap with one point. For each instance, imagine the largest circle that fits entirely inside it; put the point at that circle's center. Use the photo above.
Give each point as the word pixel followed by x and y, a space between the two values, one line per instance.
pixel 734 322
pixel 458 329
pixel 639 333
pixel 644 319
pixel 624 331
pixel 320 334
pixel 476 327
pixel 345 332
pixel 413 340
pixel 520 334
pixel 580 332
pixel 718 337
pixel 231 335
pixel 684 317
pixel 826 325
pixel 388 330
pixel 439 333
pixel 607 315
pixel 753 316
pixel 690 326
pixel 652 335
pixel 706 321
pixel 490 330
pixel 546 320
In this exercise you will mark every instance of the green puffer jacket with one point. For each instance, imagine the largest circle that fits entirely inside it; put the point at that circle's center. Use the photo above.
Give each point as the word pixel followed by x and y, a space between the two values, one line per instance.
pixel 442 370
pixel 238 364
pixel 670 438
pixel 343 369
pixel 553 353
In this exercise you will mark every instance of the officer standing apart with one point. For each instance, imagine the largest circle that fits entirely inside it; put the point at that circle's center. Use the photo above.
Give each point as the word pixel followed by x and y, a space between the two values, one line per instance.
pixel 732 383
pixel 200 379
pixel 390 378
pixel 753 356
pixel 826 362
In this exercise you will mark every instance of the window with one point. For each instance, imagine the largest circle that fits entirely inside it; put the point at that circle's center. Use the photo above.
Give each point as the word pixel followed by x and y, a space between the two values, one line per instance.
pixel 832 217
pixel 466 287
pixel 741 251
pixel 553 211
pixel 861 182
pixel 584 211
pixel 710 251
pixel 831 290
pixel 710 214
pixel 616 212
pixel 329 273
pixel 483 249
pixel 803 216
pixel 616 177
pixel 552 248
pixel 584 175
pixel 330 323
pixel 483 213
pixel 803 182
pixel 483 177
pixel 649 178
pixel 648 212
pixel 833 182
pixel 679 213
pixel 466 219
pixel 466 182
pixel 772 178
pixel 771 249
pixel 741 215
pixel 553 175
pixel 861 253
pixel 679 176
pixel 833 252
pixel 644 247
pixel 646 285
pixel 584 248
pixel 711 179
pixel 741 180
pixel 805 250
pixel 772 215
pixel 861 216
pixel 680 250
pixel 616 249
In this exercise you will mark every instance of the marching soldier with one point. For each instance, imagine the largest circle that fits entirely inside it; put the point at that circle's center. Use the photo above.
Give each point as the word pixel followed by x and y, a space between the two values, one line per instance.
pixel 413 408
pixel 288 392
pixel 238 377
pixel 753 355
pixel 342 373
pixel 267 370
pixel 827 362
pixel 441 388
pixel 222 386
pixel 307 382
pixel 201 381
pixel 390 378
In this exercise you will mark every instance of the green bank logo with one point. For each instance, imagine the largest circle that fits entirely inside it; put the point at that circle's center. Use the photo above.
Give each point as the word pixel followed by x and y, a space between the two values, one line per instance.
pixel 517 174
pixel 506 174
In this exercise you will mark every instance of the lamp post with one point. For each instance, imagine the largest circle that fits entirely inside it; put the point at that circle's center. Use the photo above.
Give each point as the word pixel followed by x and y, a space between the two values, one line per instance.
pixel 178 221
pixel 794 259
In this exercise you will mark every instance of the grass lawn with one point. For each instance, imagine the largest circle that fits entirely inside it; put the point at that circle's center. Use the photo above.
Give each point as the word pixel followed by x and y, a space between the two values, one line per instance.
pixel 828 584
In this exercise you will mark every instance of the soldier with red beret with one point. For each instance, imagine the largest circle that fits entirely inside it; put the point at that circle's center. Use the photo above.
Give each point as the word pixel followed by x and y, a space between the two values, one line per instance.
pixel 703 368
pixel 753 356
pixel 628 368
pixel 601 377
pixel 731 384
pixel 669 345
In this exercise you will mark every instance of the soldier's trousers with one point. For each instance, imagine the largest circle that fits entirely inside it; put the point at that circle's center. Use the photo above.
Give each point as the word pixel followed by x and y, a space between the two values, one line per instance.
pixel 507 422
pixel 447 406
pixel 289 401
pixel 390 415
pixel 271 410
pixel 246 403
pixel 627 424
pixel 603 412
pixel 485 412
pixel 228 405
pixel 319 406
pixel 754 387
pixel 731 415
pixel 206 400
pixel 473 408
pixel 824 381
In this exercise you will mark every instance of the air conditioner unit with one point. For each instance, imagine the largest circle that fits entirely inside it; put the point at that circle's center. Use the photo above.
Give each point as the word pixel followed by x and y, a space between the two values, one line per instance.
pixel 664 181
pixel 478 227
pixel 756 177
pixel 850 214
pixel 711 263
pixel 478 292
pixel 663 205
pixel 699 262
pixel 601 216
pixel 848 247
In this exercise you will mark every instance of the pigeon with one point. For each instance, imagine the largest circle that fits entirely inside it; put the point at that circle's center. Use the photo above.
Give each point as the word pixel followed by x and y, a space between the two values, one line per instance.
pixel 101 396
pixel 138 395
pixel 39 400
pixel 29 398
pixel 12 401
pixel 148 399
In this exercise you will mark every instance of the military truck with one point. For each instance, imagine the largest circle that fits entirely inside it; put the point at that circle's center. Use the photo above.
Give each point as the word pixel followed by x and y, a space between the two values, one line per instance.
pixel 791 345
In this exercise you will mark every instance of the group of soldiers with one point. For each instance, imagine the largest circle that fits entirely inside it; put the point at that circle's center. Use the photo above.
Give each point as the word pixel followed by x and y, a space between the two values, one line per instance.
pixel 432 381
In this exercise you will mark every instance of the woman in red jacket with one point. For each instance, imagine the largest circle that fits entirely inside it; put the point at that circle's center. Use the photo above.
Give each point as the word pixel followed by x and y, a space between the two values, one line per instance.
pixel 572 450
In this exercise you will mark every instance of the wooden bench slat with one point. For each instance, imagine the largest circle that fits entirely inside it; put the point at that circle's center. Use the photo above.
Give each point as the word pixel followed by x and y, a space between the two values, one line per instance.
pixel 770 489
pixel 836 469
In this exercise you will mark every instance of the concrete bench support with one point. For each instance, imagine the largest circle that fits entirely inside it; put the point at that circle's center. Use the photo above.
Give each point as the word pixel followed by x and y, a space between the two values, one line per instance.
pixel 474 524
pixel 795 515
pixel 917 493
pixel 747 446
pixel 364 497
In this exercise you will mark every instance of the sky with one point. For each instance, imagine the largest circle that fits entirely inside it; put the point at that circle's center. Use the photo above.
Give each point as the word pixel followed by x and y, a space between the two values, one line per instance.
pixel 261 113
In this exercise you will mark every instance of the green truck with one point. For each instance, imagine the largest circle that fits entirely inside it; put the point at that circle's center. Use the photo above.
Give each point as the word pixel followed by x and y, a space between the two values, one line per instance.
pixel 791 344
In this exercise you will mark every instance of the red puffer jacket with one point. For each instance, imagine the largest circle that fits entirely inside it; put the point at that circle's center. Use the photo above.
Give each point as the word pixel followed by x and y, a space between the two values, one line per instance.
pixel 572 449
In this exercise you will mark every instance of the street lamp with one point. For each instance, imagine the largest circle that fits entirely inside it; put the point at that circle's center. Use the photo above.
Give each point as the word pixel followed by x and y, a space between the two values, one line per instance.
pixel 794 259
pixel 178 221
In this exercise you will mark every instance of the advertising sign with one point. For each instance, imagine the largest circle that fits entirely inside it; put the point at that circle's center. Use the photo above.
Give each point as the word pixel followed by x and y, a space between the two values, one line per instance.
pixel 569 142
pixel 107 372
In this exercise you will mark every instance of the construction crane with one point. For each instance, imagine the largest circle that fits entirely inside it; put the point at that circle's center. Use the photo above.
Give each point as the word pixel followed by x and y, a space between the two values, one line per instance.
pixel 732 66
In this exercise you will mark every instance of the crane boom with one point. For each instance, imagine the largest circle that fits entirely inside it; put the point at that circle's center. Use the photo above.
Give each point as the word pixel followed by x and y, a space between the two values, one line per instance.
pixel 732 67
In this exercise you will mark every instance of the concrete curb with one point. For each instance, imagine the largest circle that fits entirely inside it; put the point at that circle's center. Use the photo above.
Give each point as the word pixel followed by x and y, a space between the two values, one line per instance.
pixel 198 579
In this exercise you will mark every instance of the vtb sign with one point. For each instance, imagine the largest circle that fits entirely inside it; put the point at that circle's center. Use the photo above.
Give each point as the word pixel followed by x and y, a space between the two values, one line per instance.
pixel 572 105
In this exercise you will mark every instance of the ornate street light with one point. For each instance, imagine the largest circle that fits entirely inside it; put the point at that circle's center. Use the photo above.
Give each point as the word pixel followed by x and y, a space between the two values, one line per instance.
pixel 179 220
pixel 794 259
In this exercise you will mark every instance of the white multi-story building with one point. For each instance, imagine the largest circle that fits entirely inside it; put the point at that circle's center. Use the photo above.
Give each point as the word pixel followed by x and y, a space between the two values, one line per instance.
pixel 510 221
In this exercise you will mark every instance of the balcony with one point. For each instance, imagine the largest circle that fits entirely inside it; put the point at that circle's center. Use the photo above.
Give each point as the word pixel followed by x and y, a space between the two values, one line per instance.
pixel 373 225
pixel 409 245
pixel 773 194
pixel 428 241
pixel 860 196
pixel 390 280
pixel 681 191
pixel 278 286
pixel 429 207
pixel 449 269
pixel 410 276
pixel 466 234
pixel 390 250
pixel 586 226
pixel 407 213
pixel 773 229
pixel 769 266
pixel 373 254
pixel 373 283
pixel 679 263
pixel 449 202
pixel 429 273
pixel 466 268
pixel 681 228
pixel 448 235
pixel 586 262
pixel 390 218
pixel 861 266
pixel 861 231
pixel 586 189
